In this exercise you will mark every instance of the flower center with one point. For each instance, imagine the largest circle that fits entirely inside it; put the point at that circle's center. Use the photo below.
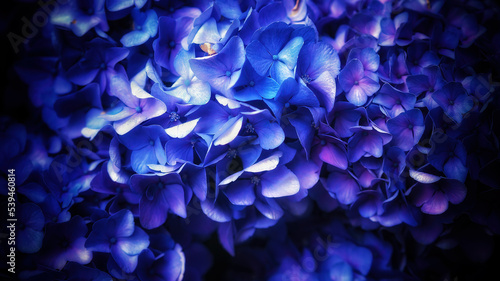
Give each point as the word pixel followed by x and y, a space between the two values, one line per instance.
pixel 356 82
pixel 138 27
pixel 287 105
pixel 228 73
pixel 112 240
pixel 306 78
pixel 365 134
pixel 171 44
pixel 275 57
pixel 231 153
pixel 151 142
pixel 452 154
pixel 451 102
pixel 410 126
pixel 174 116
pixel 90 11
pixel 194 140
pixel 323 142
pixel 187 82
pixel 249 128
pixel 251 83
pixel 398 102
pixel 255 180
pixel 102 66
pixel 138 109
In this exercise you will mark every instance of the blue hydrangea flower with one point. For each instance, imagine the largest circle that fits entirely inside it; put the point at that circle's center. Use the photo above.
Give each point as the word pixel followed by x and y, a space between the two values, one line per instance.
pixel 317 66
pixel 80 16
pixel 453 99
pixel 252 86
pixel 146 145
pixel 119 236
pixel 160 193
pixel 275 51
pixel 189 88
pixel 223 69
pixel 407 128
pixel 264 125
pixel 291 95
pixel 393 101
pixel 367 141
pixel 259 184
pixel 337 119
pixel 145 27
pixel 448 155
pixel 97 64
pixel 167 266
pixel 355 84
pixel 172 37
pixel 66 242
pixel 138 106
pixel 433 198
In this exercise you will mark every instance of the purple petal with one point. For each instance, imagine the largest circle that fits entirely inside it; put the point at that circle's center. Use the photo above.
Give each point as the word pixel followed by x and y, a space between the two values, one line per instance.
pixel 455 169
pixel 436 205
pixel 351 73
pixel 333 155
pixel 454 190
pixel 344 187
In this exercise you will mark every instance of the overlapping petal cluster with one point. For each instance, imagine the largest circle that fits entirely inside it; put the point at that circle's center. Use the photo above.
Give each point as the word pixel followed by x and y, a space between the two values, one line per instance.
pixel 365 122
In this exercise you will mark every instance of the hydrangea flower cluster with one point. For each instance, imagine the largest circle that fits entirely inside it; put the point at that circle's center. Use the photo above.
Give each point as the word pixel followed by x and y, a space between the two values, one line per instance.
pixel 257 140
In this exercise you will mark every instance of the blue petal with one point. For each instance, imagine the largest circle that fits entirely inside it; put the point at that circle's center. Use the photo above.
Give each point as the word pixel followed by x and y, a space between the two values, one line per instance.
pixel 275 37
pixel 118 5
pixel 279 182
pixel 140 159
pixel 240 192
pixel 351 73
pixel 127 263
pixel 153 213
pixel 134 244
pixel 228 131
pixel 290 52
pixel 270 133
pixel 344 187
pixel 259 57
